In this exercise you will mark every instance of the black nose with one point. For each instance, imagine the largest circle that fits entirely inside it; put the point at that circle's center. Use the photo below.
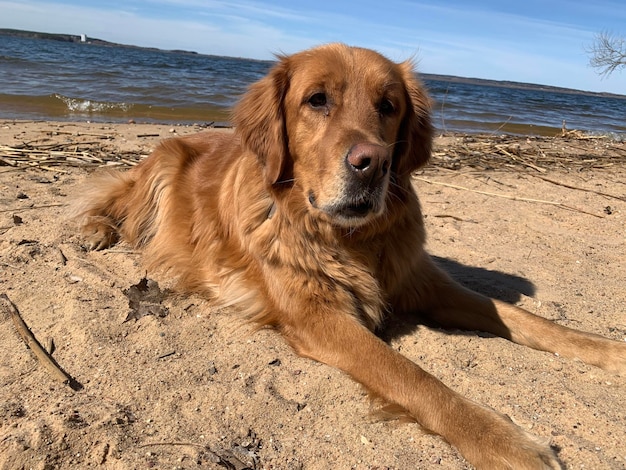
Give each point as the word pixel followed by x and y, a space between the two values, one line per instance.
pixel 368 162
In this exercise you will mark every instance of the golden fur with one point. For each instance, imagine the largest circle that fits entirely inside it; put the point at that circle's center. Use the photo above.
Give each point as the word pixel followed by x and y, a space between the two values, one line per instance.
pixel 306 220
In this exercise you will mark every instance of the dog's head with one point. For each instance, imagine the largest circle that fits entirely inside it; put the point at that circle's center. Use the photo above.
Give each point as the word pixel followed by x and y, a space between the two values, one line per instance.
pixel 341 124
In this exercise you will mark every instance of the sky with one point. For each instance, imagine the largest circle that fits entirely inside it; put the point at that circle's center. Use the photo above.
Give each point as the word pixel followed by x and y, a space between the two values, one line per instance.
pixel 533 41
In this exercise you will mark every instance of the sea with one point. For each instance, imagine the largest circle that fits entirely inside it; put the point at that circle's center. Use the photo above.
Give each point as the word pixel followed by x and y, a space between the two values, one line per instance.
pixel 43 79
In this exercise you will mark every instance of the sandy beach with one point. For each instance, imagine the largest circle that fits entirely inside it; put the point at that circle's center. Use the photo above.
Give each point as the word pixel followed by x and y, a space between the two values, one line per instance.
pixel 539 222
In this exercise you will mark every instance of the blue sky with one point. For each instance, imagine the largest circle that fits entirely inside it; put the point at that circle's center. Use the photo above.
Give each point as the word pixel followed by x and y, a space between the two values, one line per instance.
pixel 531 41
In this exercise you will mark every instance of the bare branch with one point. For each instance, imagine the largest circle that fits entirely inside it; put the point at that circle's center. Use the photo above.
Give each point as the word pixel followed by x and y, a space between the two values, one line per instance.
pixel 607 53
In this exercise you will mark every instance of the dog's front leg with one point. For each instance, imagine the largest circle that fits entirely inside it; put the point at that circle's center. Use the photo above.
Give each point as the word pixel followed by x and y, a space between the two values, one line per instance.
pixel 486 438
pixel 454 306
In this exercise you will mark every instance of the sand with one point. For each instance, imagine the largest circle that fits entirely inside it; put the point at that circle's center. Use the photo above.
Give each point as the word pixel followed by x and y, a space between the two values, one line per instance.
pixel 180 385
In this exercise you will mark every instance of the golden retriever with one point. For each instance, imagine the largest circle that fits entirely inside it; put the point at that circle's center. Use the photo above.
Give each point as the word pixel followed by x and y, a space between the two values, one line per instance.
pixel 306 219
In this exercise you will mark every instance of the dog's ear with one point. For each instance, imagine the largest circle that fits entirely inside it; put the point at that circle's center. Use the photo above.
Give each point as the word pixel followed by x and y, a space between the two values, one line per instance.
pixel 414 141
pixel 260 121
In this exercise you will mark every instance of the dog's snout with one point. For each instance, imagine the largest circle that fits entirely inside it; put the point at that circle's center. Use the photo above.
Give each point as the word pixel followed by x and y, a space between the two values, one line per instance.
pixel 369 162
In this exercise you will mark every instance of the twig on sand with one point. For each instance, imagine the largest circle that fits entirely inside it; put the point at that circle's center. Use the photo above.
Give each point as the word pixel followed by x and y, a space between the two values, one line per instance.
pixel 501 152
pixel 569 186
pixel 227 459
pixel 31 342
pixel 508 196
pixel 51 156
pixel 27 208
pixel 170 443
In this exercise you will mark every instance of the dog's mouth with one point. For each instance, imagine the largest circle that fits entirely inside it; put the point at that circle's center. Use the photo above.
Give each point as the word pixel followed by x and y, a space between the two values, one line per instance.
pixel 350 212
pixel 358 209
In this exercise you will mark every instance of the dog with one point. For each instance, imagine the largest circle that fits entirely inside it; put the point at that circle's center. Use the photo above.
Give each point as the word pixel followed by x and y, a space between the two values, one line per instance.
pixel 306 220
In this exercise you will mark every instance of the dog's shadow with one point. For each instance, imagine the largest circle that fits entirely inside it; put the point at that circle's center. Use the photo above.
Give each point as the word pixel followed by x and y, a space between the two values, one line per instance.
pixel 495 284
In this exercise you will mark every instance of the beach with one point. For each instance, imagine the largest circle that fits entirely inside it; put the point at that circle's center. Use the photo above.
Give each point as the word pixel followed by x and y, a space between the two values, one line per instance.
pixel 536 221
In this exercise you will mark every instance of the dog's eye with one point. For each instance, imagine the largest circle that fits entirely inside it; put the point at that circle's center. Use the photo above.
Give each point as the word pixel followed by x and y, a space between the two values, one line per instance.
pixel 318 100
pixel 386 107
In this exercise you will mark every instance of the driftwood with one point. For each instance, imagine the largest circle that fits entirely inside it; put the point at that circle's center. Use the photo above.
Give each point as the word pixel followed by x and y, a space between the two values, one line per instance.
pixel 38 350
pixel 570 150
pixel 51 156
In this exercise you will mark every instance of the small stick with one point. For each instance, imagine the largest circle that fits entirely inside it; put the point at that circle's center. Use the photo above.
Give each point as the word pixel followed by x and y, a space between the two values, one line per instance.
pixel 31 342
pixel 8 162
pixel 191 444
pixel 569 186
pixel 27 208
pixel 167 354
pixel 506 196
pixel 449 216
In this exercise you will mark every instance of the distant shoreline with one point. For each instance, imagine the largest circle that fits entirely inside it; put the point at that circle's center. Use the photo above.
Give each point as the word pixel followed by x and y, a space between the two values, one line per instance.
pixel 74 38
pixel 519 85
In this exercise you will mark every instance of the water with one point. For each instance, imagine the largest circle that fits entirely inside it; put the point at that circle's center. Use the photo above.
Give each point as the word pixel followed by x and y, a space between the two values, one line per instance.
pixel 516 109
pixel 45 79
pixel 42 79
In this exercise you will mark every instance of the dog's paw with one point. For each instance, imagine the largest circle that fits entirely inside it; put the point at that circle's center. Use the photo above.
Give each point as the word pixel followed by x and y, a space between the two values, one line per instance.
pixel 615 358
pixel 607 354
pixel 99 236
pixel 522 452
pixel 498 443
pixel 526 452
